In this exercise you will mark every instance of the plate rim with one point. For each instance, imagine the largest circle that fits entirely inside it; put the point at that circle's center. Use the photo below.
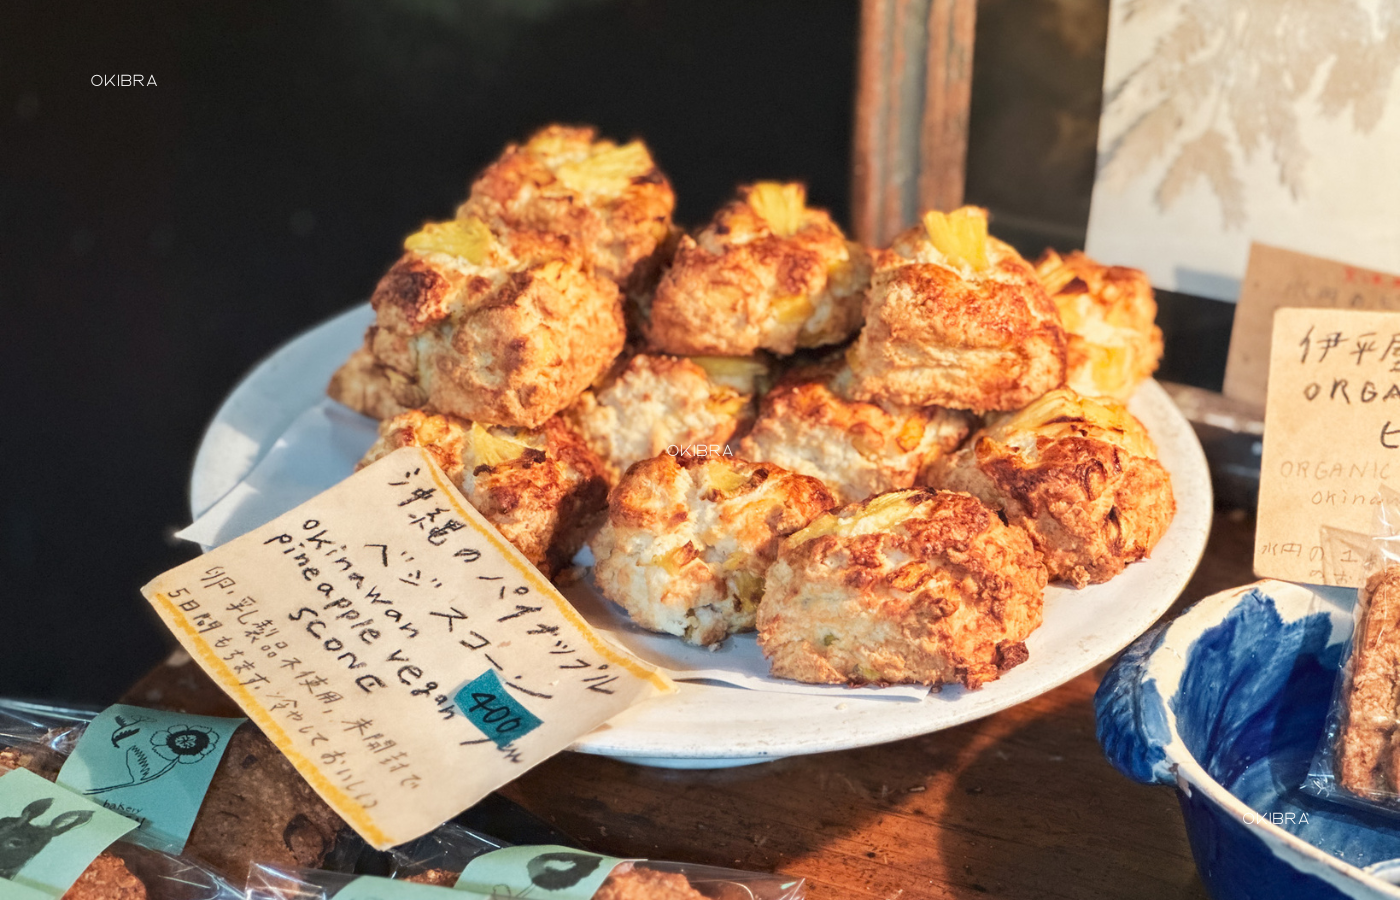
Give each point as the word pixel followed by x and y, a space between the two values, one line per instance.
pixel 204 491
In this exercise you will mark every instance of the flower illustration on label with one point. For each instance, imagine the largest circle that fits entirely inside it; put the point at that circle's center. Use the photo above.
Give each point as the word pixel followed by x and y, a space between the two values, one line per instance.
pixel 184 744
pixel 177 745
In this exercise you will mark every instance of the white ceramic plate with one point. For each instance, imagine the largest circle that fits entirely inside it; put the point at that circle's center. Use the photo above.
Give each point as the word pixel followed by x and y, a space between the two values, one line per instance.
pixel 708 725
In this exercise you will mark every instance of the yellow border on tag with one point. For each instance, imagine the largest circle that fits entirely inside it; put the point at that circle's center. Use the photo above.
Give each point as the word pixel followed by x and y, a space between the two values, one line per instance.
pixel 253 706
pixel 529 572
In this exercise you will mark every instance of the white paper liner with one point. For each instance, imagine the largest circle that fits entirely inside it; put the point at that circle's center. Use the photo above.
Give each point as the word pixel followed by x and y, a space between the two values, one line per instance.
pixel 321 447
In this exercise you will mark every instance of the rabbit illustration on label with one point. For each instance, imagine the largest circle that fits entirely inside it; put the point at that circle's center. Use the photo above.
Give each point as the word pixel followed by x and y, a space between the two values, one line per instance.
pixel 22 839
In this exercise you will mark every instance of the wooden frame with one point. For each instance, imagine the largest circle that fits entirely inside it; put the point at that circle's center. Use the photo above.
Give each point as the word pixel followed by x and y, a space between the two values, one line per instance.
pixel 914 88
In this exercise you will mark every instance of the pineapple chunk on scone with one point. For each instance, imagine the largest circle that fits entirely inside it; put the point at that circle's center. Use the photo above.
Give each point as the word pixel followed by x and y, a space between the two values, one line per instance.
pixel 688 540
pixel 956 318
pixel 768 273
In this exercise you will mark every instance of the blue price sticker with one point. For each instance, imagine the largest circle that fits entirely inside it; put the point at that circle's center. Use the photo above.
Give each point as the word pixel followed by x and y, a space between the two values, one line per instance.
pixel 498 715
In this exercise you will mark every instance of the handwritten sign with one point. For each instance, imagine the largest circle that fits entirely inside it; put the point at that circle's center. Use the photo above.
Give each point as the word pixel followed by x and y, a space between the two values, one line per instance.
pixel 1279 278
pixel 1331 442
pixel 396 648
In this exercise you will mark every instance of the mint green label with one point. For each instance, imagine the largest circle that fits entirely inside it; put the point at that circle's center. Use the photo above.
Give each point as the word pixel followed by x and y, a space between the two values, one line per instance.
pixel 367 887
pixel 151 766
pixel 49 835
pixel 543 870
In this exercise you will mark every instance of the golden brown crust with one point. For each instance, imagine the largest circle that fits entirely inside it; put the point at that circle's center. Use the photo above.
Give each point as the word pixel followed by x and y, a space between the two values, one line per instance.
pixel 259 809
pixel 857 448
pixel 637 882
pixel 688 541
pixel 439 877
pixel 655 402
pixel 612 202
pixel 543 489
pixel 35 757
pixel 1367 762
pixel 509 339
pixel 743 284
pixel 1108 313
pixel 1080 475
pixel 939 334
pixel 371 388
pixel 107 878
pixel 911 586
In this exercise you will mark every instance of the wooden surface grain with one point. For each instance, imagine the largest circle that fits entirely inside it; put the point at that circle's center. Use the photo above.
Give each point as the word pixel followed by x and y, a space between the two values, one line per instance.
pixel 1021 804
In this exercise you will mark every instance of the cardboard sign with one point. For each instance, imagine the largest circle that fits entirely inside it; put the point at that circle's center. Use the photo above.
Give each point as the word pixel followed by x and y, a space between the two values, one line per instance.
pixel 403 655
pixel 1331 440
pixel 1282 278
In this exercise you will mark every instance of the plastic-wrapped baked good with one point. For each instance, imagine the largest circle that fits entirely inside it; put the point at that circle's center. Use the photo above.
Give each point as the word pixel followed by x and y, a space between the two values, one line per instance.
pixel 257 807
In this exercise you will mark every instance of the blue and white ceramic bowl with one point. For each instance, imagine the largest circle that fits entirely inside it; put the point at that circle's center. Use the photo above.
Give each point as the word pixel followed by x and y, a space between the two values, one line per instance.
pixel 1227 703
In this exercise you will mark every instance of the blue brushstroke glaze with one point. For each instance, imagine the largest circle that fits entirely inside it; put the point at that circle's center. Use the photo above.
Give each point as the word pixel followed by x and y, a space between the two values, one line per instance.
pixel 1251 707
pixel 1131 718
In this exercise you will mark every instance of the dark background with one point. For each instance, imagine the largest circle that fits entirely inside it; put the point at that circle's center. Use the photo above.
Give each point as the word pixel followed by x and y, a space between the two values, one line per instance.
pixel 156 242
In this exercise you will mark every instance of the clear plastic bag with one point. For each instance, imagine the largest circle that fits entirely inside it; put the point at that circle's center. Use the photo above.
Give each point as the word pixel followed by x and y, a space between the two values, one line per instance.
pixel 1358 758
pixel 439 858
pixel 40 738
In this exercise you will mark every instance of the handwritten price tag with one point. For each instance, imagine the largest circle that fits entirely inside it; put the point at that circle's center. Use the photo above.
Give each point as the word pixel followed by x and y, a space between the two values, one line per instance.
pixel 1331 440
pixel 403 655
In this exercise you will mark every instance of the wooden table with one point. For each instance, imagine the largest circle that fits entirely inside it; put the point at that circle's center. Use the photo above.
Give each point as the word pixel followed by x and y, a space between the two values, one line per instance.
pixel 1021 804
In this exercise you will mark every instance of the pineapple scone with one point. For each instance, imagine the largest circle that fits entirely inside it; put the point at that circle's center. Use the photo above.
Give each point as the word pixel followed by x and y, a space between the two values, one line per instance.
pixel 543 489
pixel 658 402
pixel 956 318
pixel 609 199
pixel 1108 314
pixel 499 327
pixel 688 541
pixel 913 586
pixel 1080 475
pixel 806 424
pixel 767 273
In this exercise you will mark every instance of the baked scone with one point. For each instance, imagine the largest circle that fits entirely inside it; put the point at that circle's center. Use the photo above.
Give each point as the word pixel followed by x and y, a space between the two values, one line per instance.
pixel 654 403
pixel 768 273
pixel 543 489
pixel 1108 313
pixel 688 540
pixel 1079 474
pixel 611 200
pixel 1368 759
pixel 807 425
pixel 956 318
pixel 912 586
pixel 499 327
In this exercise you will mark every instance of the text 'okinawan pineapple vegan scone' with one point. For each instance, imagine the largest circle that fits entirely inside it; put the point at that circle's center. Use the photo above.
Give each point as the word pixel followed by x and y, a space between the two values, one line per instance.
pixel 609 199
pixel 1108 313
pixel 911 586
pixel 543 489
pixel 1079 474
pixel 504 328
pixel 688 540
pixel 956 318
pixel 768 273
pixel 655 403
pixel 858 448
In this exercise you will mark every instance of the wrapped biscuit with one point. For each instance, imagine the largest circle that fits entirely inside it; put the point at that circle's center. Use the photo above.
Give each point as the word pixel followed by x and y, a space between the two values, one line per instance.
pixel 442 858
pixel 256 805
pixel 1358 759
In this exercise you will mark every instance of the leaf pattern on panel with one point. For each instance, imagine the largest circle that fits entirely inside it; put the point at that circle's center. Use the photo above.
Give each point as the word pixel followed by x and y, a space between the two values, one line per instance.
pixel 1230 79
